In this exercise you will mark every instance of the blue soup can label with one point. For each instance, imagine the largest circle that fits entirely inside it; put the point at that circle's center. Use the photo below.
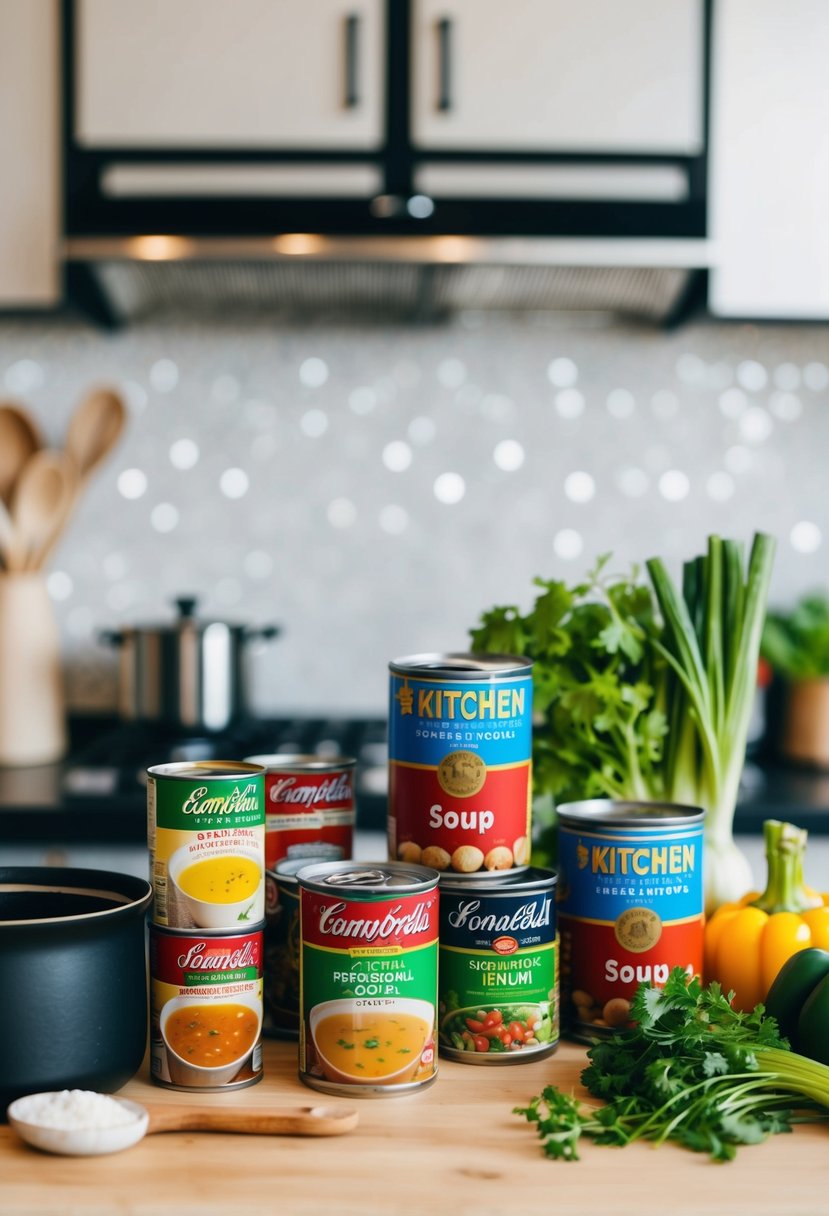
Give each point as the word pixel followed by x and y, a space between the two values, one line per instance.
pixel 460 766
pixel 631 904
pixel 497 969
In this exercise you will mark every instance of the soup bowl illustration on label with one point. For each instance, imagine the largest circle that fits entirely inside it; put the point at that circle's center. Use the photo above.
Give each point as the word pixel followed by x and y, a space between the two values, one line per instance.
pixel 379 1042
pixel 220 889
pixel 207 1042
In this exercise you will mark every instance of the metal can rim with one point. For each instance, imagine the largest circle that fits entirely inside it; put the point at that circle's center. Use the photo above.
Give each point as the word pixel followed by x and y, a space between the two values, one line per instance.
pixel 300 762
pixel 213 770
pixel 193 931
pixel 628 814
pixel 458 665
pixel 509 882
pixel 423 878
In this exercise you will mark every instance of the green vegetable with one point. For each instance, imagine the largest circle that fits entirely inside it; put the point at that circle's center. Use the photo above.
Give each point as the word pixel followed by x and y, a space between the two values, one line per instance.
pixel 594 683
pixel 693 1070
pixel 711 644
pixel 799 1000
pixel 647 695
pixel 796 643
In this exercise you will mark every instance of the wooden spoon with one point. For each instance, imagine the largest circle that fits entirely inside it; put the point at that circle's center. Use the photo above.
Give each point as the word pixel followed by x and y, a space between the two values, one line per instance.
pixel 19 439
pixel 285 1121
pixel 9 543
pixel 94 429
pixel 42 498
pixel 155 1117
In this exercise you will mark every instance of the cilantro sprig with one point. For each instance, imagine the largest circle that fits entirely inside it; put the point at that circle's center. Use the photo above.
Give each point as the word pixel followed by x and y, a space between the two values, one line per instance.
pixel 693 1070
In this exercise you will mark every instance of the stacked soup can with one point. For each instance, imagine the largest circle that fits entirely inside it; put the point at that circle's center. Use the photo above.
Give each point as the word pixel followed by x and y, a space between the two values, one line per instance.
pixel 450 946
pixel 206 836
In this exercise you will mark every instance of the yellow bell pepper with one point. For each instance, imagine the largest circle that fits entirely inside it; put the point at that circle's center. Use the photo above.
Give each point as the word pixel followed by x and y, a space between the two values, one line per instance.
pixel 746 943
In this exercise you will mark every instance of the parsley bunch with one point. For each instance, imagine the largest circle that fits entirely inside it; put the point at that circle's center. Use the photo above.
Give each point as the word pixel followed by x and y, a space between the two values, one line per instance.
pixel 693 1070
pixel 595 682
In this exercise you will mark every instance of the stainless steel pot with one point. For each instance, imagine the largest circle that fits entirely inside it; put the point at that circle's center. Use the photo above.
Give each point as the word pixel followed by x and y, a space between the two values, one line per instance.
pixel 190 673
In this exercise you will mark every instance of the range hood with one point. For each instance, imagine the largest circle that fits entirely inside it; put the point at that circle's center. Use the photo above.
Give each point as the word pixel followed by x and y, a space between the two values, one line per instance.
pixel 386 156
pixel 405 277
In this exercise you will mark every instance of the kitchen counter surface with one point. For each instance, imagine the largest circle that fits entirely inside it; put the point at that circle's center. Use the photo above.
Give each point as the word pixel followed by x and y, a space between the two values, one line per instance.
pixel 454 1147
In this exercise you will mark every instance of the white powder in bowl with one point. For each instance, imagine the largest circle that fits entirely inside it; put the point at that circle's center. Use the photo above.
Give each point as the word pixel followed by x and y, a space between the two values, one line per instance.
pixel 72 1109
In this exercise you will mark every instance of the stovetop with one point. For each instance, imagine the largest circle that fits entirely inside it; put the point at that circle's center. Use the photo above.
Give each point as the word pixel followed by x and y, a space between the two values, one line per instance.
pixel 98 794
pixel 99 791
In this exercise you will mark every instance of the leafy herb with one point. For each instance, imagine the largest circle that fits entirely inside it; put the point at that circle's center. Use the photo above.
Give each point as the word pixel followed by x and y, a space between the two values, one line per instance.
pixel 348 1046
pixel 796 643
pixel 371 1042
pixel 693 1070
pixel 594 680
pixel 646 694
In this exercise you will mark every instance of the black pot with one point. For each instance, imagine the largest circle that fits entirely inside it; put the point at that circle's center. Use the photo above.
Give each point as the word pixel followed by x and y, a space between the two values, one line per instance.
pixel 73 1009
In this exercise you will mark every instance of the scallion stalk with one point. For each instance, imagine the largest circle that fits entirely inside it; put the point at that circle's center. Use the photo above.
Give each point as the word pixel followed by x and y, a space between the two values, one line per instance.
pixel 711 644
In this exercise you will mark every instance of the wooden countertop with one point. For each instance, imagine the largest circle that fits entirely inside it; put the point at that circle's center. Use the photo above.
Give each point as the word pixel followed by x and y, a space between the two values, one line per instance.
pixel 453 1148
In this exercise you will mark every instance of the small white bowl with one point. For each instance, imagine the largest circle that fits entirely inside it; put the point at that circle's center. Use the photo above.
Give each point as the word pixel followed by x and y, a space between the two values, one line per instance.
pixel 77 1141
pixel 420 1009
pixel 217 916
pixel 196 1076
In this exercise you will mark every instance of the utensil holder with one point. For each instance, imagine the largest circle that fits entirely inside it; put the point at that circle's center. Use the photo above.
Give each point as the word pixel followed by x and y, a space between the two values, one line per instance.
pixel 32 712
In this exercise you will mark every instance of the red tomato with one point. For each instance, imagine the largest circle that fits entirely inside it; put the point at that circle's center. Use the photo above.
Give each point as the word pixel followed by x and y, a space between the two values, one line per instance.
pixel 481 1042
pixel 494 1018
pixel 475 1026
pixel 505 1037
pixel 517 1031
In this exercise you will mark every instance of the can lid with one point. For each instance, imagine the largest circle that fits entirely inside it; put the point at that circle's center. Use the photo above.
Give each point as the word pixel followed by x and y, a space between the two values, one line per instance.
pixel 458 666
pixel 524 878
pixel 628 814
pixel 295 762
pixel 198 769
pixel 367 877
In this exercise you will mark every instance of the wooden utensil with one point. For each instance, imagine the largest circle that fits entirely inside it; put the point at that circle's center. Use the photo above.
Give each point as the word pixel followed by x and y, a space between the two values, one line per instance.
pixel 94 429
pixel 150 1117
pixel 19 439
pixel 284 1121
pixel 42 497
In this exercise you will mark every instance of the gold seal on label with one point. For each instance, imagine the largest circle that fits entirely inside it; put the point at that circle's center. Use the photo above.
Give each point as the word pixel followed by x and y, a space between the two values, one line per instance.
pixel 461 774
pixel 638 929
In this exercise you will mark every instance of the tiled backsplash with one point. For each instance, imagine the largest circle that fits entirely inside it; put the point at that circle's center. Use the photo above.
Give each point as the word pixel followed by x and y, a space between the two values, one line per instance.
pixel 373 488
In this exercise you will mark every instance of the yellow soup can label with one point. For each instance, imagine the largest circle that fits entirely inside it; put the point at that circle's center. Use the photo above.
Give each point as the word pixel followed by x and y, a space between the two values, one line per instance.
pixel 206 836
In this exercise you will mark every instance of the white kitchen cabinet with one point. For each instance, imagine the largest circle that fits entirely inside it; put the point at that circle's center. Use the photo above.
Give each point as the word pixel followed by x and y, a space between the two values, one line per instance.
pixel 621 76
pixel 29 154
pixel 230 73
pixel 769 168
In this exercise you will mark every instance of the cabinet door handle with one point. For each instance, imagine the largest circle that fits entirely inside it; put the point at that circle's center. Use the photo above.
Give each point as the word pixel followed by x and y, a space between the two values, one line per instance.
pixel 352 64
pixel 445 64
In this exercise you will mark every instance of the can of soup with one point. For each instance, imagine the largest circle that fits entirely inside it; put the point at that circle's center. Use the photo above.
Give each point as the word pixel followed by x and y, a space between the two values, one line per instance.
pixel 206 836
pixel 282 948
pixel 205 1009
pixel 460 762
pixel 631 905
pixel 309 807
pixel 497 971
pixel 368 977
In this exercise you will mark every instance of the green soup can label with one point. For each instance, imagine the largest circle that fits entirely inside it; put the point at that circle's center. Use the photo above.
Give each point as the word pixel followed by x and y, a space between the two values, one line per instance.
pixel 498 973
pixel 206 836
pixel 368 977
pixel 205 1009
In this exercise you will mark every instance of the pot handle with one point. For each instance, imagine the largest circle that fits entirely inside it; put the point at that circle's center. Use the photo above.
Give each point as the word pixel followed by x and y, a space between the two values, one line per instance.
pixel 262 633
pixel 110 637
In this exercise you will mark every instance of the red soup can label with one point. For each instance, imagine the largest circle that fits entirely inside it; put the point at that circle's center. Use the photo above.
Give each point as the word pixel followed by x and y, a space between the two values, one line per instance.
pixel 309 807
pixel 460 762
pixel 631 904
pixel 368 977
pixel 205 1009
